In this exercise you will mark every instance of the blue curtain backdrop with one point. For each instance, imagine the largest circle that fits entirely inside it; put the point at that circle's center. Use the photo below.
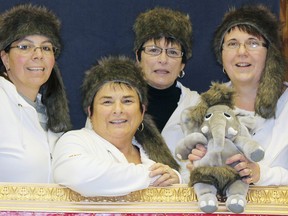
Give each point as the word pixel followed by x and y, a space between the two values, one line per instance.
pixel 92 29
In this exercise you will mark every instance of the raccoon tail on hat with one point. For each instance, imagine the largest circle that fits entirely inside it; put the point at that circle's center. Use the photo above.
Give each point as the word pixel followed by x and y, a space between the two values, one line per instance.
pixel 154 144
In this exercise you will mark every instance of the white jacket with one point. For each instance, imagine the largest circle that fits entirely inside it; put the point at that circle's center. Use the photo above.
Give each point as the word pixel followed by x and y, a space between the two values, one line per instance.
pixel 24 146
pixel 172 131
pixel 92 166
pixel 272 135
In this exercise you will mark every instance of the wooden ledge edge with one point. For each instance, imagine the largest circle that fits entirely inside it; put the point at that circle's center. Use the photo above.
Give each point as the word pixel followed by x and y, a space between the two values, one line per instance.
pixel 176 193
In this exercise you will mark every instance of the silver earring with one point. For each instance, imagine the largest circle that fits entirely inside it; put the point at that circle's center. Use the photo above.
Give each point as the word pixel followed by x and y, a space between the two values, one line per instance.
pixel 141 128
pixel 223 70
pixel 182 74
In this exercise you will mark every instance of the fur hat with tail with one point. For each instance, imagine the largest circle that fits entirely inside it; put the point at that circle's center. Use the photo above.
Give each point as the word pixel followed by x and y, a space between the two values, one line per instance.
pixel 55 99
pixel 27 19
pixel 164 22
pixel 262 21
pixel 154 144
pixel 124 70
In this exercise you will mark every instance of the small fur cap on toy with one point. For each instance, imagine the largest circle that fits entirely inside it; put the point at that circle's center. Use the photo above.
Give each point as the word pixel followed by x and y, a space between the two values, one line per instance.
pixel 218 93
pixel 113 69
pixel 261 19
pixel 162 22
pixel 28 19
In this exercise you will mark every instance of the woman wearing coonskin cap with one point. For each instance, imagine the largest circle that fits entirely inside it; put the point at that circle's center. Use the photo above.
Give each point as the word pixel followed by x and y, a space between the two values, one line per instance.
pixel 163 45
pixel 121 150
pixel 249 47
pixel 34 111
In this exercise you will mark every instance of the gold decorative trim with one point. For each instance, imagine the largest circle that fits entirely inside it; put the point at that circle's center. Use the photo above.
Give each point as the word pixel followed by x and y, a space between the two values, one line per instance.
pixel 178 198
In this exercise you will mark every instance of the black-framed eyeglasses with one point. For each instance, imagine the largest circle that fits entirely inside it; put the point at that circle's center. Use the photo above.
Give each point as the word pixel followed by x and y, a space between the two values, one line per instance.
pixel 250 44
pixel 155 51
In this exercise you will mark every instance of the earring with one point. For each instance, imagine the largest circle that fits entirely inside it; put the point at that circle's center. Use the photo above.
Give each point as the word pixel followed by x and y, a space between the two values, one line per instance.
pixel 141 128
pixel 223 70
pixel 182 74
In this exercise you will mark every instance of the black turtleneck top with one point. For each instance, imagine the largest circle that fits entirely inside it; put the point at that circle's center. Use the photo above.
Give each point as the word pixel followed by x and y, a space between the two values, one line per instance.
pixel 162 103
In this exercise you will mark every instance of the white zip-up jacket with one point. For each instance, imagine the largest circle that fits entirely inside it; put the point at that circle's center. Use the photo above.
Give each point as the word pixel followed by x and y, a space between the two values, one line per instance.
pixel 172 132
pixel 25 147
pixel 92 166
pixel 272 135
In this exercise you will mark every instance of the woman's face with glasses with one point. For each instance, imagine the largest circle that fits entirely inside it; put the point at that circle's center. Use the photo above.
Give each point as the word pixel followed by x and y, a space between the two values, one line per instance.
pixel 243 57
pixel 161 62
pixel 29 62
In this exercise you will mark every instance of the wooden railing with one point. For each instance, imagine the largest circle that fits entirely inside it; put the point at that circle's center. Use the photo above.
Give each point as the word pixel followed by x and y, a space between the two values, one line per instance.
pixel 178 199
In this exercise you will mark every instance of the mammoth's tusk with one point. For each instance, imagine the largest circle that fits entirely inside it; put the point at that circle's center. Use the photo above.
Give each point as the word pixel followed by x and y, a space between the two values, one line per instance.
pixel 232 131
pixel 205 129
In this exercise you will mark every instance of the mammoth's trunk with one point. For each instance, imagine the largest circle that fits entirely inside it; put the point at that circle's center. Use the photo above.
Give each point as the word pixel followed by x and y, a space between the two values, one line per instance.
pixel 218 133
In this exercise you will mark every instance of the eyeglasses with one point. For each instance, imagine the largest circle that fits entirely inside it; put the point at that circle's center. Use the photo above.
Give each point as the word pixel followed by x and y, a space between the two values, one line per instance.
pixel 250 44
pixel 155 51
pixel 27 49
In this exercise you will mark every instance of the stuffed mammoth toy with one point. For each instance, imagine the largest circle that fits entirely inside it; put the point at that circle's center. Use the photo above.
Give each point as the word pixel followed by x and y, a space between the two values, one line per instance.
pixel 213 123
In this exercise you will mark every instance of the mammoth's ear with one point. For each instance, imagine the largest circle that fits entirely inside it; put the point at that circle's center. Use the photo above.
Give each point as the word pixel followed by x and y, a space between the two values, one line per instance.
pixel 192 117
pixel 187 121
